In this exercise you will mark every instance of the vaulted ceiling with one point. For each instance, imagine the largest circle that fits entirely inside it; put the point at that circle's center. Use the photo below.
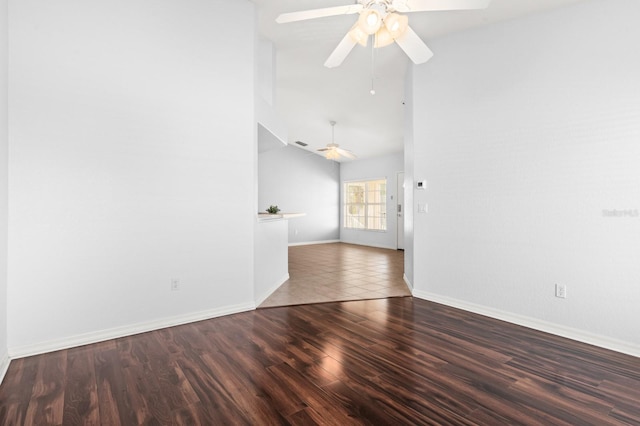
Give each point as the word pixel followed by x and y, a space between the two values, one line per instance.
pixel 308 95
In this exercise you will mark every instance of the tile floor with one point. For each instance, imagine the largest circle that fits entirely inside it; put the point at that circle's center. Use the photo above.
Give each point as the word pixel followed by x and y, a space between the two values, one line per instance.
pixel 335 272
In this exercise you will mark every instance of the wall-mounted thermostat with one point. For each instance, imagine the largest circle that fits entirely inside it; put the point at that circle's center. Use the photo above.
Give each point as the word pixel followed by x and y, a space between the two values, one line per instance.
pixel 421 184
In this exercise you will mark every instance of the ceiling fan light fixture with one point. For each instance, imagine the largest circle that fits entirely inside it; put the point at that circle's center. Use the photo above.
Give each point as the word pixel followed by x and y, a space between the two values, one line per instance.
pixel 359 36
pixel 396 24
pixel 332 154
pixel 370 21
pixel 383 38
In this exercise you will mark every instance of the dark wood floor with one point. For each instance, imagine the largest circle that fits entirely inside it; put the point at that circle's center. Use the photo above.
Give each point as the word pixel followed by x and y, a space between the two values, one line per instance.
pixel 386 361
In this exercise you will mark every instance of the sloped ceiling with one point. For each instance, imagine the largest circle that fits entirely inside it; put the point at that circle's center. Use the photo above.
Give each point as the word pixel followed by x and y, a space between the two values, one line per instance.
pixel 308 95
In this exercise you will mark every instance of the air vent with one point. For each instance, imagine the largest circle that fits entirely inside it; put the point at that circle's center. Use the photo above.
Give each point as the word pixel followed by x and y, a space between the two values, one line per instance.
pixel 301 143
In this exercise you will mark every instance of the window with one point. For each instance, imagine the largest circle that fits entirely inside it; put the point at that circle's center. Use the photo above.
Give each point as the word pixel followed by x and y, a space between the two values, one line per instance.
pixel 365 205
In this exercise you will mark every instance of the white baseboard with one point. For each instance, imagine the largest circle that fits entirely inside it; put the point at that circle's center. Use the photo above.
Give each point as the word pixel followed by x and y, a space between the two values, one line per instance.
pixel 407 282
pixel 4 365
pixel 369 245
pixel 114 333
pixel 536 324
pixel 273 288
pixel 308 243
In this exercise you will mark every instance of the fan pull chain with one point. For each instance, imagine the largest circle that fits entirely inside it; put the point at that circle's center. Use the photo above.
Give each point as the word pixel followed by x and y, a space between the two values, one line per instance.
pixel 373 45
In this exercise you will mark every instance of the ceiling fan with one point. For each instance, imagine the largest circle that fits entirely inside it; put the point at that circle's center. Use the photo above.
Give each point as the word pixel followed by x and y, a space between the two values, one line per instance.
pixel 333 151
pixel 383 20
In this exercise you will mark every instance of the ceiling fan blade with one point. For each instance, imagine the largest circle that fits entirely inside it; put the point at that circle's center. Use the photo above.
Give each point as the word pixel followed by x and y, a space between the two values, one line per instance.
pixel 437 5
pixel 346 153
pixel 318 13
pixel 340 53
pixel 414 47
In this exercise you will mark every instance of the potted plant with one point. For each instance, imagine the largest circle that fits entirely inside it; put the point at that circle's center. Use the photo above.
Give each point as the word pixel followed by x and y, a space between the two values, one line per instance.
pixel 273 210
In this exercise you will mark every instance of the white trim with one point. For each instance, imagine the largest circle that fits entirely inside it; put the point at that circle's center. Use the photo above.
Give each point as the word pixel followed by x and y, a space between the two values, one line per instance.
pixel 273 288
pixel 4 365
pixel 308 243
pixel 536 324
pixel 407 282
pixel 114 333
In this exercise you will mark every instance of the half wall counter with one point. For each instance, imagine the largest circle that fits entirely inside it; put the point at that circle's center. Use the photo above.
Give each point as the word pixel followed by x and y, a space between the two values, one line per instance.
pixel 271 253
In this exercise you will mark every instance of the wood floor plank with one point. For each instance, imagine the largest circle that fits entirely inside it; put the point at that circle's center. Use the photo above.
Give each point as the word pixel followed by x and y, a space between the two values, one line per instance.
pixel 624 394
pixel 362 405
pixel 247 396
pixel 393 404
pixel 81 395
pixel 46 406
pixel 146 394
pixel 176 390
pixel 315 398
pixel 217 408
pixel 565 403
pixel 115 407
pixel 16 390
pixel 305 417
pixel 271 387
pixel 393 361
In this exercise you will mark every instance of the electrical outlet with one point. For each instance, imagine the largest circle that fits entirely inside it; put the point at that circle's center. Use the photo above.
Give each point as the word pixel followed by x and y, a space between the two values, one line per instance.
pixel 175 284
pixel 561 291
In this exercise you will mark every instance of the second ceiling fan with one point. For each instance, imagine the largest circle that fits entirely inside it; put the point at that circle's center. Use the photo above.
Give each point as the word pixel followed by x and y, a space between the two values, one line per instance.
pixel 333 151
pixel 382 19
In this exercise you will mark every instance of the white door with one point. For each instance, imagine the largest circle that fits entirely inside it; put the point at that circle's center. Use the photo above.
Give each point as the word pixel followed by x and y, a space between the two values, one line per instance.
pixel 400 209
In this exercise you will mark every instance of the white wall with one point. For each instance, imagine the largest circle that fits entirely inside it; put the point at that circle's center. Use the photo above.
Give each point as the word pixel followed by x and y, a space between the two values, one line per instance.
pixel 132 149
pixel 298 181
pixel 3 187
pixel 408 178
pixel 271 254
pixel 374 168
pixel 272 131
pixel 527 131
